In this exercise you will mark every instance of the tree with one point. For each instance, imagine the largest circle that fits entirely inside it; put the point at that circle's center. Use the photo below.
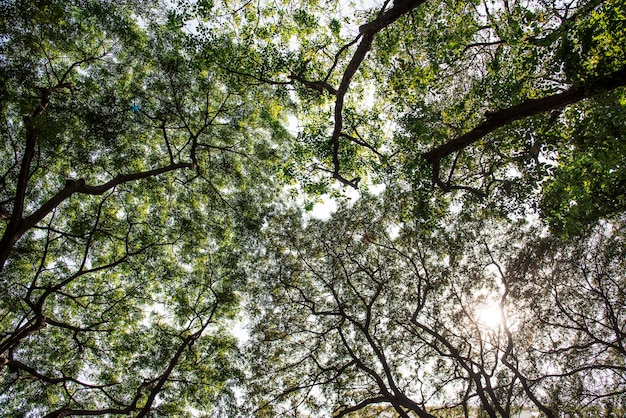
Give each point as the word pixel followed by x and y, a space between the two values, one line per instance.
pixel 151 179
pixel 130 161
pixel 477 100
pixel 348 319
pixel 581 284
pixel 498 103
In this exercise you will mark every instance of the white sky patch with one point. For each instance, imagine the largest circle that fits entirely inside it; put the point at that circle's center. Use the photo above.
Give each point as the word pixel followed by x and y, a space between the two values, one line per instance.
pixel 240 331
pixel 369 96
pixel 490 315
pixel 325 209
pixel 328 205
pixel 155 312
pixel 376 189
pixel 293 125
pixel 394 231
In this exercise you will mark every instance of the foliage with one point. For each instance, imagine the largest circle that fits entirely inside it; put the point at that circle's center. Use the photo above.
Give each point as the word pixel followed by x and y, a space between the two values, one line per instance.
pixel 130 164
pixel 589 182
pixel 159 160
pixel 475 315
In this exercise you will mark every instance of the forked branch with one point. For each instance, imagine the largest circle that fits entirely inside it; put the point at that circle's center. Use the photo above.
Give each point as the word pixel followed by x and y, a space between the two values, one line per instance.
pixel 531 107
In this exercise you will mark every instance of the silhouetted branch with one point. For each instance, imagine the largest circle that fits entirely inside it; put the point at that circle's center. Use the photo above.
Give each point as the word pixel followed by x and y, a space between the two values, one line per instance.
pixel 531 107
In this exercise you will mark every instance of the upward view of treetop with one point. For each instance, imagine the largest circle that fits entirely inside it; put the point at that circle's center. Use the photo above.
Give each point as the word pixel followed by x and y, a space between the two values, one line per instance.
pixel 160 161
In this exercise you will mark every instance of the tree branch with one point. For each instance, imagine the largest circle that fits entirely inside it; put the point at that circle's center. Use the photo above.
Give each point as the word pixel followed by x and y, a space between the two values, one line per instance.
pixel 319 86
pixel 368 32
pixel 6 243
pixel 72 187
pixel 360 405
pixel 528 108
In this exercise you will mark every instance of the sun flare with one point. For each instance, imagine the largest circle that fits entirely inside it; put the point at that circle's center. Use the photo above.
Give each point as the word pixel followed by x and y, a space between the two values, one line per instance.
pixel 490 315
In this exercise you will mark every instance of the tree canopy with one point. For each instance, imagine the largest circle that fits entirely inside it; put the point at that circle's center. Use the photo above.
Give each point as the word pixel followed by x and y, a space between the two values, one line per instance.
pixel 160 161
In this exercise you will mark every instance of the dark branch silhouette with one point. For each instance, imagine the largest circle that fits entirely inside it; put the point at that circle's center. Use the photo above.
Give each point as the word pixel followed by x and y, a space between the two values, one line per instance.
pixel 367 34
pixel 531 107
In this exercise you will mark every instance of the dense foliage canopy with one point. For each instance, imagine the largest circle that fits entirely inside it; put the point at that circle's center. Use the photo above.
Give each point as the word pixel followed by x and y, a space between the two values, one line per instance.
pixel 160 161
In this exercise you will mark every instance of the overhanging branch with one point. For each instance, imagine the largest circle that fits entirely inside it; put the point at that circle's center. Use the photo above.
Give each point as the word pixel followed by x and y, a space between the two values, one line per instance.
pixel 503 117
pixel 528 108
pixel 367 34
pixel 73 187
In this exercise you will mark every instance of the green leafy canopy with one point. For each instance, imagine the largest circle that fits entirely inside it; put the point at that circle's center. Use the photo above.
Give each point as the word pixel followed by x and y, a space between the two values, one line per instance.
pixel 159 161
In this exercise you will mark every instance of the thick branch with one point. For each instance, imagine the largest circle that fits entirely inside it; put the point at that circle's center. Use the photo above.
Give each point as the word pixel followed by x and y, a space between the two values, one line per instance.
pixel 22 180
pixel 65 412
pixel 186 343
pixel 528 108
pixel 399 9
pixel 360 405
pixel 15 366
pixel 368 32
pixel 73 187
pixel 464 362
pixel 24 331
pixel 319 86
